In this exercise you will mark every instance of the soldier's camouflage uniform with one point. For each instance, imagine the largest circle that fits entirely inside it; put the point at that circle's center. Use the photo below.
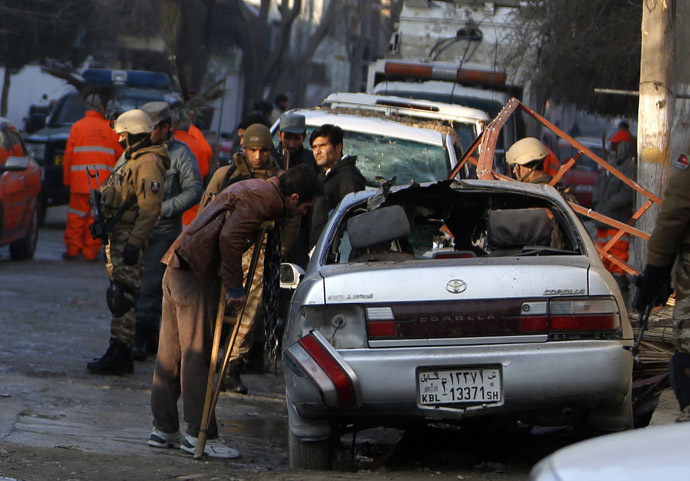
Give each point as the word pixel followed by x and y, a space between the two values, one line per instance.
pixel 671 236
pixel 252 311
pixel 139 180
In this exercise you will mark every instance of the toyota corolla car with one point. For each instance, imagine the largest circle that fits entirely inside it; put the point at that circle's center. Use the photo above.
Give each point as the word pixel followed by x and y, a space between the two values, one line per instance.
pixel 453 301
pixel 20 191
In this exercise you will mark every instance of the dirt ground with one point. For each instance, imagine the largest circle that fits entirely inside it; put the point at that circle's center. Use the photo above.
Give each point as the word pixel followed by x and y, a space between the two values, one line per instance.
pixel 58 422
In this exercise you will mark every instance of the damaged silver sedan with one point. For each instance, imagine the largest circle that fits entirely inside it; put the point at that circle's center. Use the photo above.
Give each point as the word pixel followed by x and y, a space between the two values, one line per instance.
pixel 456 301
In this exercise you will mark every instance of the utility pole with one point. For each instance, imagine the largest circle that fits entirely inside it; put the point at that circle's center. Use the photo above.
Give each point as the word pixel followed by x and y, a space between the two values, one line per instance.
pixel 656 105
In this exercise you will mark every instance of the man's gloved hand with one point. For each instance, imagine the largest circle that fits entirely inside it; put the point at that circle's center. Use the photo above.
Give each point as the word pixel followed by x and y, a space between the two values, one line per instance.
pixel 130 254
pixel 236 298
pixel 653 287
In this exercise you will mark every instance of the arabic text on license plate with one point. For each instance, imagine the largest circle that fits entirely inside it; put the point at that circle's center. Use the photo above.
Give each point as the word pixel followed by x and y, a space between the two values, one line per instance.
pixel 59 159
pixel 459 386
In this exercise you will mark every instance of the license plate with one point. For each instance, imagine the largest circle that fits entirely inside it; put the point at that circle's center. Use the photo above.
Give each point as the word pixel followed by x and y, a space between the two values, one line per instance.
pixel 59 159
pixel 449 386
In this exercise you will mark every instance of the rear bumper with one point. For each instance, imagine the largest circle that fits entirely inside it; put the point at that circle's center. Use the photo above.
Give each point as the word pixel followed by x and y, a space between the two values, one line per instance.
pixel 558 375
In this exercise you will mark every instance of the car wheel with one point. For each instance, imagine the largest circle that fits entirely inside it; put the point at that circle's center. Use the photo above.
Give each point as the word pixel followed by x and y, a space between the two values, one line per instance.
pixel 42 210
pixel 309 454
pixel 25 247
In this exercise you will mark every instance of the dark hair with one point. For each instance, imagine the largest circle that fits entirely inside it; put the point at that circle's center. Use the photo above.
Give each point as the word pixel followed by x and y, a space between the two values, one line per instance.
pixel 624 124
pixel 251 119
pixel 332 132
pixel 280 98
pixel 301 180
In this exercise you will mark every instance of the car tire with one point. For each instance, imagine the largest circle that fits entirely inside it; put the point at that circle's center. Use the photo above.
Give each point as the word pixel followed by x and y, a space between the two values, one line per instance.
pixel 309 454
pixel 42 211
pixel 24 248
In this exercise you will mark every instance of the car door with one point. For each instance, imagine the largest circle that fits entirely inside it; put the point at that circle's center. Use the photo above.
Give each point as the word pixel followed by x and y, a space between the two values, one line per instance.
pixel 14 196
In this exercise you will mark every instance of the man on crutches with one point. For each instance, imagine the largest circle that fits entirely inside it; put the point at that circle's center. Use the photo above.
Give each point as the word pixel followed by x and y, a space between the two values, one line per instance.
pixel 214 242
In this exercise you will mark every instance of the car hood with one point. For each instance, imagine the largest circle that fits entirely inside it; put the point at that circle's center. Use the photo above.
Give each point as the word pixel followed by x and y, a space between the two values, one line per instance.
pixel 653 453
pixel 47 133
pixel 473 279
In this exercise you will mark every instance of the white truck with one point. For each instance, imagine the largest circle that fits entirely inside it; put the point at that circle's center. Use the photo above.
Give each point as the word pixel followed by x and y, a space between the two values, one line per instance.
pixel 450 51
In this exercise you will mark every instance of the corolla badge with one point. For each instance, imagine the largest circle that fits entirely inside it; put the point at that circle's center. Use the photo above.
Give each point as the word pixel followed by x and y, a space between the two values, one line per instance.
pixel 456 286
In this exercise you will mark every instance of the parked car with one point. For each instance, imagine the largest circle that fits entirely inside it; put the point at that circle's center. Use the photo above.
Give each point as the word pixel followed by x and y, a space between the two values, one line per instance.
pixel 449 302
pixel 47 145
pixel 467 122
pixel 389 147
pixel 583 175
pixel 657 452
pixel 20 194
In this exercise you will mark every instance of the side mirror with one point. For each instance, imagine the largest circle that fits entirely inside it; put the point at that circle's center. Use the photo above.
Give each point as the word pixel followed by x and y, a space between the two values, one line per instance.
pixel 15 164
pixel 290 275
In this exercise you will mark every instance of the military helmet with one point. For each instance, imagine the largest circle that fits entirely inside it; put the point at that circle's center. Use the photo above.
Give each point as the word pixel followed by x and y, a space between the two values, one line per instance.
pixel 257 136
pixel 134 121
pixel 525 151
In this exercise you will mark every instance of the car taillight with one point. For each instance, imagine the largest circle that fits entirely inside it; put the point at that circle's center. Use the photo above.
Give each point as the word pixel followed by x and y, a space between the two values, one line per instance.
pixel 380 323
pixel 316 358
pixel 569 318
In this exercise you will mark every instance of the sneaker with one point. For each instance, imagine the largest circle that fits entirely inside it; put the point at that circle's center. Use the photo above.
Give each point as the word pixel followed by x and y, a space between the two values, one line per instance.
pixel 159 439
pixel 684 415
pixel 213 448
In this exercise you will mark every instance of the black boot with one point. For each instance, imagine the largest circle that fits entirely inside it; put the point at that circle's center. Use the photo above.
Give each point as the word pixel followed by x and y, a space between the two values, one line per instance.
pixel 145 343
pixel 116 360
pixel 232 381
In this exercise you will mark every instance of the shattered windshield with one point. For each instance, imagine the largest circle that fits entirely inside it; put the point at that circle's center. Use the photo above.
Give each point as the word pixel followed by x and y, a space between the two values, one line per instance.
pixel 387 157
pixel 379 155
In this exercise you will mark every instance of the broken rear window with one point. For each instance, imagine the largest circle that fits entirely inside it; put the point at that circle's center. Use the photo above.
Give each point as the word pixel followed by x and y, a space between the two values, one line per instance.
pixel 439 223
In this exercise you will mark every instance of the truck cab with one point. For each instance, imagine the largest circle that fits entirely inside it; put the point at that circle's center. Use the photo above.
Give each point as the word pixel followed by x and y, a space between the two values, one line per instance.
pixel 132 88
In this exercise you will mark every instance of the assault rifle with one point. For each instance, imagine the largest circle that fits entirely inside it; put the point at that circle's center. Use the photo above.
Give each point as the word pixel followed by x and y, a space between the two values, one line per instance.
pixel 99 227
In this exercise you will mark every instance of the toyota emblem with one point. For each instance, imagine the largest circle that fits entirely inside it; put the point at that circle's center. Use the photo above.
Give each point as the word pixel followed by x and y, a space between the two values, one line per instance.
pixel 456 286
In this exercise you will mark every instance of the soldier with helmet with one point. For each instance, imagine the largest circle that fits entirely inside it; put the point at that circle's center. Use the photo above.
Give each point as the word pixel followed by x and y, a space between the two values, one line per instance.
pixel 91 144
pixel 527 157
pixel 131 199
pixel 254 162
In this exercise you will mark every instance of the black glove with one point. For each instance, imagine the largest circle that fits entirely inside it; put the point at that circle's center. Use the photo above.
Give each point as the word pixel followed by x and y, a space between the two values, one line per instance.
pixel 653 287
pixel 130 254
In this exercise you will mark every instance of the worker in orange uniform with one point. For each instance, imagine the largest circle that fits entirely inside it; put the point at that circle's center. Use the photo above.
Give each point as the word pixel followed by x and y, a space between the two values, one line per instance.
pixel 181 127
pixel 195 132
pixel 92 144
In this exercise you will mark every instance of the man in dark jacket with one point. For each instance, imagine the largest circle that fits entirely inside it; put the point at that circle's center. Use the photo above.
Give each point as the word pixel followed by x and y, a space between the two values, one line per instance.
pixel 339 173
pixel 215 240
pixel 613 198
pixel 291 153
pixel 182 189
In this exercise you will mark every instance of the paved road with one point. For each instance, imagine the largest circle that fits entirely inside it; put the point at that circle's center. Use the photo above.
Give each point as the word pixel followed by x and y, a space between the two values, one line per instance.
pixel 57 421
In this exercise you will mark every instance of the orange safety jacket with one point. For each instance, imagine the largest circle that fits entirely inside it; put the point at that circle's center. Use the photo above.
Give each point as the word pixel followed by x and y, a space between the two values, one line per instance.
pixel 202 157
pixel 551 164
pixel 92 143
pixel 199 136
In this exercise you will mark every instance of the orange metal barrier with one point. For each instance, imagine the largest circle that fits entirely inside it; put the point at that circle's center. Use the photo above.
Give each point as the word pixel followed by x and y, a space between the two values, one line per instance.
pixel 484 161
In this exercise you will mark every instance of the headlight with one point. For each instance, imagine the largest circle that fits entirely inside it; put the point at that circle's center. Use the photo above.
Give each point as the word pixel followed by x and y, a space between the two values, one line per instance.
pixel 37 151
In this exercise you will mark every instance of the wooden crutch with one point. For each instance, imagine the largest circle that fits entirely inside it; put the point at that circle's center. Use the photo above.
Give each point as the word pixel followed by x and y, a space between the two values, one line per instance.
pixel 213 384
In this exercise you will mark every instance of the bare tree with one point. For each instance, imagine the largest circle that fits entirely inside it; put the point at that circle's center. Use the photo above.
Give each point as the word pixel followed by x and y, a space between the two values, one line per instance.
pixel 269 58
pixel 34 30
pixel 570 48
